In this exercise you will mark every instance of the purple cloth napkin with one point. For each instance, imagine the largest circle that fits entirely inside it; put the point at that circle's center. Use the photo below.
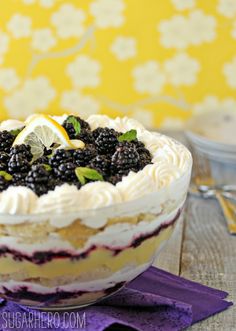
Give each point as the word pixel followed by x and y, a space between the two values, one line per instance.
pixel 156 300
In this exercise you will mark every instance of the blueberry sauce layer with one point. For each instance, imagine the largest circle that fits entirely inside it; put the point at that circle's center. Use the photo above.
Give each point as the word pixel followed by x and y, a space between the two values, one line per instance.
pixel 24 293
pixel 42 257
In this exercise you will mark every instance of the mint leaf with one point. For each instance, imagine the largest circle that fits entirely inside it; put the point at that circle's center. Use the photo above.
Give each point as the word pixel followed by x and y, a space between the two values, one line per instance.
pixel 84 173
pixel 47 167
pixel 6 175
pixel 16 132
pixel 75 123
pixel 80 177
pixel 128 136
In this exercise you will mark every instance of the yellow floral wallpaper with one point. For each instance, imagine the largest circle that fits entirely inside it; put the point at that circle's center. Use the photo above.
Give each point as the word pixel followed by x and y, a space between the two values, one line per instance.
pixel 159 61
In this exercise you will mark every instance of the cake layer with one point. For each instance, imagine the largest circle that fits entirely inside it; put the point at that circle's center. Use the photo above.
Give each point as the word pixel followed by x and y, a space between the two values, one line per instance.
pixel 108 260
pixel 41 243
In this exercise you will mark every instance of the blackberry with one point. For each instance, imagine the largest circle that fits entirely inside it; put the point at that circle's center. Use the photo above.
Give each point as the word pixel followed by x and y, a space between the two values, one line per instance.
pixel 4 158
pixel 69 127
pixel 19 179
pixel 125 159
pixel 41 160
pixel 145 156
pixel 37 179
pixel 53 182
pixel 86 136
pixel 3 184
pixel 61 156
pixel 66 172
pixel 114 179
pixel 22 150
pixel 97 132
pixel 18 163
pixel 107 141
pixel 83 156
pixel 101 163
pixel 6 141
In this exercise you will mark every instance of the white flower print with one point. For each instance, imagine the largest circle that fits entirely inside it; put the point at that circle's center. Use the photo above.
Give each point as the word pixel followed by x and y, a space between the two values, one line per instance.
pixel 35 95
pixel 182 69
pixel 40 91
pixel 84 72
pixel 171 123
pixel 8 79
pixel 43 40
pixel 47 3
pixel 69 21
pixel 233 33
pixel 149 78
pixel 201 27
pixel 124 48
pixel 144 116
pixel 183 4
pixel 227 7
pixel 174 32
pixel 212 102
pixel 229 71
pixel 20 26
pixel 18 105
pixel 4 42
pixel 28 2
pixel 183 31
pixel 108 13
pixel 43 3
pixel 83 105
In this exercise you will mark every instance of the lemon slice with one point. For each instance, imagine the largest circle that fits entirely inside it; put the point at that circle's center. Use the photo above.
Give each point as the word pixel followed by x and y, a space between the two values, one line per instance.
pixel 42 131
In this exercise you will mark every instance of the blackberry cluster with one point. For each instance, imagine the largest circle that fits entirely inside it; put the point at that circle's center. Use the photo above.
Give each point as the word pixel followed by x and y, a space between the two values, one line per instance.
pixel 103 152
pixel 22 150
pixel 6 141
pixel 125 159
pixel 4 158
pixel 60 156
pixel 145 156
pixel 106 141
pixel 101 163
pixel 37 179
pixel 18 164
pixel 85 133
pixel 83 156
pixel 66 172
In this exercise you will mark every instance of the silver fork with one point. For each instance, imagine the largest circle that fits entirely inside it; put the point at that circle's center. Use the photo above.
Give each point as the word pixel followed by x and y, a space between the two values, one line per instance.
pixel 202 177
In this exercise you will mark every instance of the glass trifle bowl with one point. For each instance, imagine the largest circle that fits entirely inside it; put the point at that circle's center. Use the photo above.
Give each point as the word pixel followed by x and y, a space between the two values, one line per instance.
pixel 70 248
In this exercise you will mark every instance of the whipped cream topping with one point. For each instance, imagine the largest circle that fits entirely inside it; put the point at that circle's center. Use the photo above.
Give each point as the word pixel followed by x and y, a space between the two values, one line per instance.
pixel 96 121
pixel 64 199
pixel 10 125
pixel 123 124
pixel 18 200
pixel 170 161
pixel 135 185
pixel 162 174
pixel 100 194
